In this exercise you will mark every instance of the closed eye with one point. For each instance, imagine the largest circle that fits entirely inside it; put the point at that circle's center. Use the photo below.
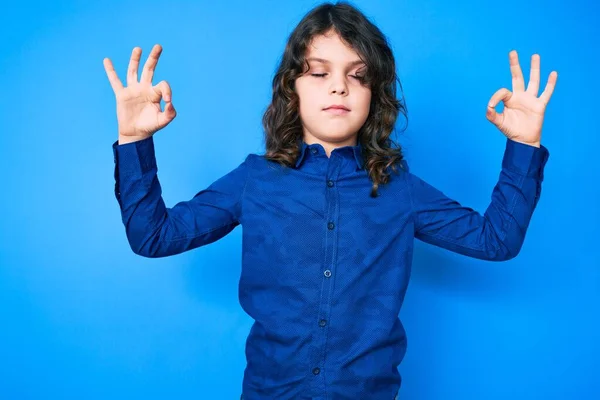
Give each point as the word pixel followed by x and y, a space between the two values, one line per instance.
pixel 353 76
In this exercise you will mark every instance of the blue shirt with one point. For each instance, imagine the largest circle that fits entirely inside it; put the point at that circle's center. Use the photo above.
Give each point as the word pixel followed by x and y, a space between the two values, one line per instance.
pixel 325 267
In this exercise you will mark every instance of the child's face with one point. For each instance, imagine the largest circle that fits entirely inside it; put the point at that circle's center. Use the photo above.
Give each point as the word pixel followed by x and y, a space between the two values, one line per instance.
pixel 338 86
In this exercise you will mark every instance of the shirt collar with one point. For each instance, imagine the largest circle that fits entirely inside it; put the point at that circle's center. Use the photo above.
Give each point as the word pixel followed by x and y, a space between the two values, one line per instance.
pixel 316 148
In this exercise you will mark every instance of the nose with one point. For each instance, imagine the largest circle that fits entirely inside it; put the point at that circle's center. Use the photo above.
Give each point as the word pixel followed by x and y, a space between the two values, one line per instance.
pixel 338 86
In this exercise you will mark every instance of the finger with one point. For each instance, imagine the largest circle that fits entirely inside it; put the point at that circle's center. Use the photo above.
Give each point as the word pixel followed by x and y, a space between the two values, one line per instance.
pixel 491 114
pixel 114 80
pixel 134 64
pixel 547 93
pixel 150 65
pixel 164 90
pixel 167 115
pixel 501 95
pixel 518 82
pixel 534 75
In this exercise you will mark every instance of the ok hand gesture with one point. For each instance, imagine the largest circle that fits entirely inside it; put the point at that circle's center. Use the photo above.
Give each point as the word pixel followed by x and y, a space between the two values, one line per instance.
pixel 138 105
pixel 523 114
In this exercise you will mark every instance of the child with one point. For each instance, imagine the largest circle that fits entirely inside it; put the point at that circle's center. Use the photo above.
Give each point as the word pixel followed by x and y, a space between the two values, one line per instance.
pixel 330 211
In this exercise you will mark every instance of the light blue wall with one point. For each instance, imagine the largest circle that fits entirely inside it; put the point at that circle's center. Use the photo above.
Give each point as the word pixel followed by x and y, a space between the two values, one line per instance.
pixel 81 316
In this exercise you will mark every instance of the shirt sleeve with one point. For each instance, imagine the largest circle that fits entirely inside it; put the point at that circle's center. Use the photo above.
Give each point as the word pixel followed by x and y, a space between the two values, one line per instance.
pixel 499 233
pixel 154 230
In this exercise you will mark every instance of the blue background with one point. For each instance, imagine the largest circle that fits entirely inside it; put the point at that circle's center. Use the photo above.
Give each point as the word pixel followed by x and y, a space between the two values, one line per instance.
pixel 81 316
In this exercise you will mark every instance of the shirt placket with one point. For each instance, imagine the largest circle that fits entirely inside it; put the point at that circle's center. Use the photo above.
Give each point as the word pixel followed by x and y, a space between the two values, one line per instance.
pixel 328 271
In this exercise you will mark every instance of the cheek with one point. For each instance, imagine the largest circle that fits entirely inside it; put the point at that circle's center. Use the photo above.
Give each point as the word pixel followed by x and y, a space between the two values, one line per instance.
pixel 308 102
pixel 305 109
pixel 364 104
pixel 302 93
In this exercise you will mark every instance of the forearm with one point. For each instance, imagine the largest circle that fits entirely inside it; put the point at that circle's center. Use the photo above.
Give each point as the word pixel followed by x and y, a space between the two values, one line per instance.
pixel 154 230
pixel 499 233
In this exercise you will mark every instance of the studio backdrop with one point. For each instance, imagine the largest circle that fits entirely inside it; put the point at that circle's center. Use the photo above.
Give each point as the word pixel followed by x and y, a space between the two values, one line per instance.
pixel 83 317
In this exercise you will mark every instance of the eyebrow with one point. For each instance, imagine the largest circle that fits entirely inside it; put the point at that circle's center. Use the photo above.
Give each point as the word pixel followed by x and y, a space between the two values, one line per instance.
pixel 324 61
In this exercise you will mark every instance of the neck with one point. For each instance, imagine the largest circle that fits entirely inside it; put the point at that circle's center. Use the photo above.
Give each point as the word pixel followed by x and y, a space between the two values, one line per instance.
pixel 329 146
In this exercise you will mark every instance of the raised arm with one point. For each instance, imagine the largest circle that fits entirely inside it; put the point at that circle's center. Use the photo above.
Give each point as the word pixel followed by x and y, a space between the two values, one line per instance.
pixel 152 229
pixel 499 233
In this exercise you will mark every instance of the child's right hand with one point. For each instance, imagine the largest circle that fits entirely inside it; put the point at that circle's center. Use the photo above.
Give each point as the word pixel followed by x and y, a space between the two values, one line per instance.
pixel 138 105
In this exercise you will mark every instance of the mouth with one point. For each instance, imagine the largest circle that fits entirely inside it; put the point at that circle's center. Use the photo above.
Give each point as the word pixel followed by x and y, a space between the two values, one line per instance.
pixel 337 110
pixel 338 107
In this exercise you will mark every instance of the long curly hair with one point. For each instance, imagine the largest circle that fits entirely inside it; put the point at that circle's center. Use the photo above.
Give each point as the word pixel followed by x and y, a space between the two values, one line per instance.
pixel 281 120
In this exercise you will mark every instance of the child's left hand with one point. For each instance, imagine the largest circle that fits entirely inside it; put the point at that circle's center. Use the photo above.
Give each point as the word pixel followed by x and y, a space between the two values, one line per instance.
pixel 523 114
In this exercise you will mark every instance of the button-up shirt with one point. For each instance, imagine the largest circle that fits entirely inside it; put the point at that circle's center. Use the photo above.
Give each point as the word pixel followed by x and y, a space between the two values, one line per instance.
pixel 325 266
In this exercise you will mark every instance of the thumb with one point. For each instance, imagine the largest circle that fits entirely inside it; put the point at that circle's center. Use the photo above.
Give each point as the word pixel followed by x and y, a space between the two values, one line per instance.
pixel 167 115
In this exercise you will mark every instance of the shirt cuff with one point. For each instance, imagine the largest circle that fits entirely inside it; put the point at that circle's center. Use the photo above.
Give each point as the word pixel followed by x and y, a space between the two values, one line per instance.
pixel 525 159
pixel 134 158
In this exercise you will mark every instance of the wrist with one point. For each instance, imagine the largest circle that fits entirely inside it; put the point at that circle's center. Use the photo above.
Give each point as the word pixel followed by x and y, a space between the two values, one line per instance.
pixel 534 144
pixel 124 139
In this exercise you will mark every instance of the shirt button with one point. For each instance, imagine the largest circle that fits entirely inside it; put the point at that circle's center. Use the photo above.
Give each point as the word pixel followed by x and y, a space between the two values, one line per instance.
pixel 316 371
pixel 313 150
pixel 330 183
pixel 330 225
pixel 327 273
pixel 322 322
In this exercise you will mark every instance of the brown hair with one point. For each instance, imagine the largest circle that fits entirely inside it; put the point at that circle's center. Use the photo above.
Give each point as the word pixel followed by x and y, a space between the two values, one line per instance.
pixel 281 120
